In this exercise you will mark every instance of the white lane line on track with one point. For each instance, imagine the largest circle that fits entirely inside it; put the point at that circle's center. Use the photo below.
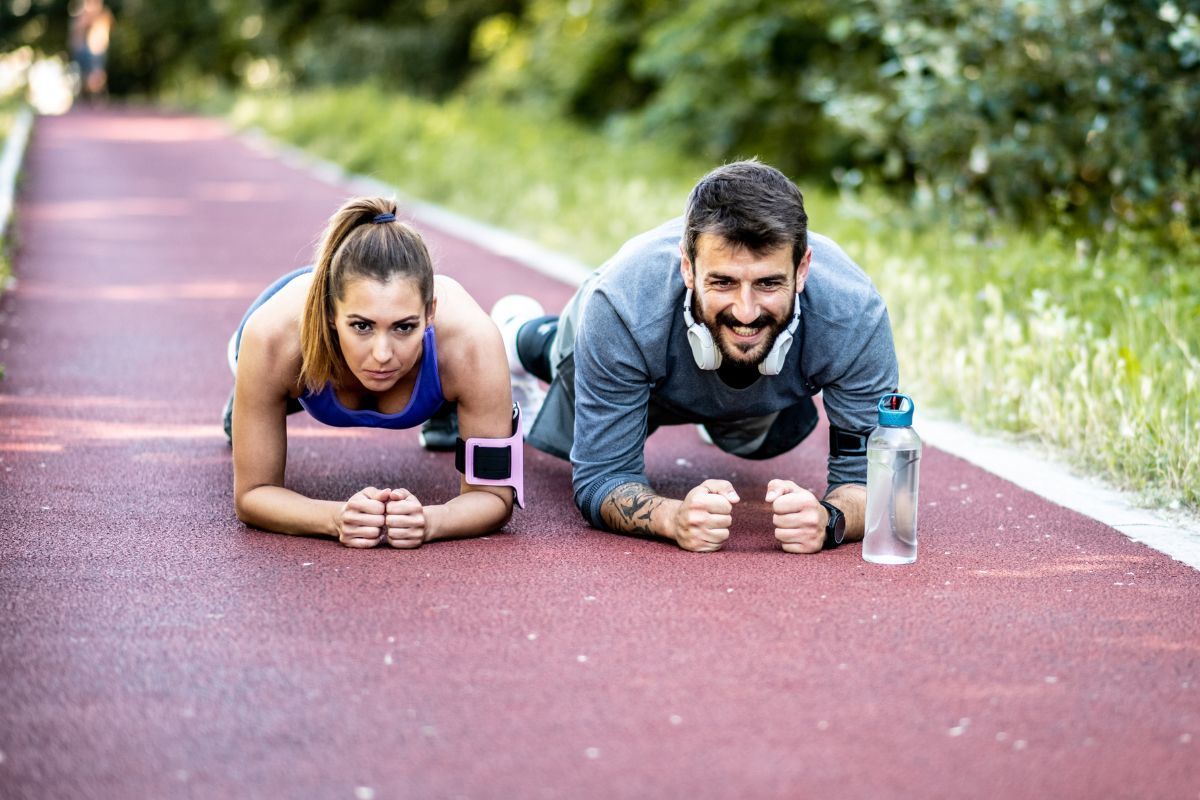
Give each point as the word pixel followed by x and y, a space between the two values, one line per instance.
pixel 1033 469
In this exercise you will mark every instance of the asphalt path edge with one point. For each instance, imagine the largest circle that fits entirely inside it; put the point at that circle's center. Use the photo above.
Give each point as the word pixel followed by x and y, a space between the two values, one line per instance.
pixel 1035 469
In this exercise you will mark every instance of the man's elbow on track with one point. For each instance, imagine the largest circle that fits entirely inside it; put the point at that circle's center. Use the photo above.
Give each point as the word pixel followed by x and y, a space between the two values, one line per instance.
pixel 581 502
pixel 590 497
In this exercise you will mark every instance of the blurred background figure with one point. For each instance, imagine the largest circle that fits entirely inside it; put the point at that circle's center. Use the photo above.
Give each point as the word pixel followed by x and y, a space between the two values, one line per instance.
pixel 91 24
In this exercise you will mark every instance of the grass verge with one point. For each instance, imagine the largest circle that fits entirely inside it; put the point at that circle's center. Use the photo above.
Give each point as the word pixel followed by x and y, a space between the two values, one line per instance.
pixel 8 111
pixel 1094 353
pixel 9 106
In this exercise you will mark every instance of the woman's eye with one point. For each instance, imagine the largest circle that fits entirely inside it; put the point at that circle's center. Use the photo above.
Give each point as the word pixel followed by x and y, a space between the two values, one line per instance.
pixel 406 327
pixel 360 326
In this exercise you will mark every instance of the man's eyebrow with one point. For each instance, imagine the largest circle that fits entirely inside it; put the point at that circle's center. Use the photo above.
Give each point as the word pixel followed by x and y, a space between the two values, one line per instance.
pixel 721 276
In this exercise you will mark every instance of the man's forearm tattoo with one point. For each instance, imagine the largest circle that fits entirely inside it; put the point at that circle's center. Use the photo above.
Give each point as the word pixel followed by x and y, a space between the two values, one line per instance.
pixel 628 508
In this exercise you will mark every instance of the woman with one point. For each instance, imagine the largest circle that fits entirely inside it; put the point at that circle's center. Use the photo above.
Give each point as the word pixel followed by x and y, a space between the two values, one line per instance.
pixel 351 340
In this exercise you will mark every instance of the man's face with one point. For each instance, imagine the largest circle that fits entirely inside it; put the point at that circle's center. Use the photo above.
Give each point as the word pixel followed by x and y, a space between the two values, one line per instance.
pixel 744 299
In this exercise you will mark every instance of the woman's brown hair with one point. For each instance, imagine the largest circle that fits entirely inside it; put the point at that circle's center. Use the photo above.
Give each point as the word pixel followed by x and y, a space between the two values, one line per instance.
pixel 355 246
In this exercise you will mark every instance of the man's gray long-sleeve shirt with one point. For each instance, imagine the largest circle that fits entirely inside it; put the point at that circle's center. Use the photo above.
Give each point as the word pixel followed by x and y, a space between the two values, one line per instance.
pixel 630 345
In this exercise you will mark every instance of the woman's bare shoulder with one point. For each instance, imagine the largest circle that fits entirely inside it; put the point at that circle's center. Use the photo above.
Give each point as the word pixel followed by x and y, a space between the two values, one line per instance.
pixel 470 351
pixel 271 337
pixel 459 319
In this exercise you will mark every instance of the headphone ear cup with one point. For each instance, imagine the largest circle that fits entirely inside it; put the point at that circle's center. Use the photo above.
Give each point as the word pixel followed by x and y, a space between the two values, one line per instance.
pixel 704 349
pixel 773 363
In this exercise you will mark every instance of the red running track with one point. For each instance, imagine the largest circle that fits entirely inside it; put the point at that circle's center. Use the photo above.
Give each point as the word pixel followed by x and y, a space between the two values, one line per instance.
pixel 152 646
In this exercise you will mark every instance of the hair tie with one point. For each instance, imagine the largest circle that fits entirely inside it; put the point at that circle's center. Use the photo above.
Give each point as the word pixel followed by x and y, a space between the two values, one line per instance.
pixel 381 218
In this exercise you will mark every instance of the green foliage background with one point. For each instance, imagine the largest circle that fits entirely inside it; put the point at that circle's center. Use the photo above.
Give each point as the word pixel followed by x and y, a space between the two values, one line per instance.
pixel 1075 113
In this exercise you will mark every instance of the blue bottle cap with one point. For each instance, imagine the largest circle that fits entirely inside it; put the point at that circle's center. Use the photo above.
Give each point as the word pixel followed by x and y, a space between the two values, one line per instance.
pixel 896 411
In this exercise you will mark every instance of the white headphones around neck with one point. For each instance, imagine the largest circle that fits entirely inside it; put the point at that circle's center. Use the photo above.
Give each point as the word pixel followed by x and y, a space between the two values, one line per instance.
pixel 708 355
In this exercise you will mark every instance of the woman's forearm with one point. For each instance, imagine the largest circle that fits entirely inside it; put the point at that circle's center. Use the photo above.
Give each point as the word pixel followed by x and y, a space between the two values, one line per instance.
pixel 469 514
pixel 273 508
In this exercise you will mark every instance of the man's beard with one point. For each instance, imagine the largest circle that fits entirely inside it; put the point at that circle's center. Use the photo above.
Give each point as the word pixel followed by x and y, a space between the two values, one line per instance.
pixel 741 355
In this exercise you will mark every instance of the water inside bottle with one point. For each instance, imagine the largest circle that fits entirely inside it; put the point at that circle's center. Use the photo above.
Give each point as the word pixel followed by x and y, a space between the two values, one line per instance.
pixel 891 527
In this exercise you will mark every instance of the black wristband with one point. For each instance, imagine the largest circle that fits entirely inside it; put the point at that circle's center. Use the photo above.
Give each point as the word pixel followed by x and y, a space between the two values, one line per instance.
pixel 835 528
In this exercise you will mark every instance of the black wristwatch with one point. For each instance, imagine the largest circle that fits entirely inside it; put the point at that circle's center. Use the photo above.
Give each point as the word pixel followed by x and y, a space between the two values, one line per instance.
pixel 835 529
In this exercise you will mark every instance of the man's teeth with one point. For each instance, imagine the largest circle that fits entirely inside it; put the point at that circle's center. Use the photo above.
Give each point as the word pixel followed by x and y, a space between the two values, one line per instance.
pixel 742 330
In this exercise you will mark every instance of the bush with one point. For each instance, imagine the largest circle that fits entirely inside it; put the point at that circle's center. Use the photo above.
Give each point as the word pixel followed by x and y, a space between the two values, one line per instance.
pixel 1077 111
pixel 1073 112
pixel 417 45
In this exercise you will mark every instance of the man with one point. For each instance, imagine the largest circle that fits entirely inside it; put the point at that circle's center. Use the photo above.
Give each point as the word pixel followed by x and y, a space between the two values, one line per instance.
pixel 731 318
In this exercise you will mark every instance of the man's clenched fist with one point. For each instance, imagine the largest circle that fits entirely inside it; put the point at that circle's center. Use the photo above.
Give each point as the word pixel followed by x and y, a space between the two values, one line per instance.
pixel 799 518
pixel 702 520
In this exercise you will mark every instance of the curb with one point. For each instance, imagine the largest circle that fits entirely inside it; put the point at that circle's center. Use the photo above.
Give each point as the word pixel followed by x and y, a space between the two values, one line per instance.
pixel 10 164
pixel 1034 469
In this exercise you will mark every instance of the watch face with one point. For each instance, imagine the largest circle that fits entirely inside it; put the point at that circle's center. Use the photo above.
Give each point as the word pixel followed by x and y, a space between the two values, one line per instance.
pixel 835 529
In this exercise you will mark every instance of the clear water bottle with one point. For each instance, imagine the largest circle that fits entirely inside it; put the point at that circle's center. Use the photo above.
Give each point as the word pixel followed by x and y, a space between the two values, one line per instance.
pixel 893 466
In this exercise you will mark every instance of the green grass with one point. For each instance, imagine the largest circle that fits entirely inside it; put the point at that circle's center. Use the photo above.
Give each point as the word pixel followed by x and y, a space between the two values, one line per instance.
pixel 10 103
pixel 9 106
pixel 1095 354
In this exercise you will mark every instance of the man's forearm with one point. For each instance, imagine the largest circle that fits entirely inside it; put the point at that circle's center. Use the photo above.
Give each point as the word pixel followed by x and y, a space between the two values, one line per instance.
pixel 635 508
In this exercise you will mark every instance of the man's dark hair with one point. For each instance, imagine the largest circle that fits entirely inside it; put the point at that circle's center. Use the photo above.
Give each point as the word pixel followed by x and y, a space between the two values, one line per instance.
pixel 748 204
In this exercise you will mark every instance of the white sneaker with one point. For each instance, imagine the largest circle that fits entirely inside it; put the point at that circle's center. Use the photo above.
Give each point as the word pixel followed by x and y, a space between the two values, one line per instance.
pixel 510 313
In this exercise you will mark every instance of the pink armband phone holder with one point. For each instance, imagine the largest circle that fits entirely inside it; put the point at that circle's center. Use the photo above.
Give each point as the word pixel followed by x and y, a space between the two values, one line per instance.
pixel 495 462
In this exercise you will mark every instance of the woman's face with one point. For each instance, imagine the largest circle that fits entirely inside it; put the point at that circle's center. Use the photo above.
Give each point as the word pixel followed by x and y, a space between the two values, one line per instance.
pixel 380 326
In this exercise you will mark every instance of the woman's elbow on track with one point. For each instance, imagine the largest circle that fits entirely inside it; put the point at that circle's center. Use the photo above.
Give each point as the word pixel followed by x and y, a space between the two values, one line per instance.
pixel 242 508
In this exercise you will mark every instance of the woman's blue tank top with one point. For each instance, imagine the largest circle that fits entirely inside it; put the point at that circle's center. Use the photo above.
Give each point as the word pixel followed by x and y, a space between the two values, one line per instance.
pixel 324 406
pixel 426 399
